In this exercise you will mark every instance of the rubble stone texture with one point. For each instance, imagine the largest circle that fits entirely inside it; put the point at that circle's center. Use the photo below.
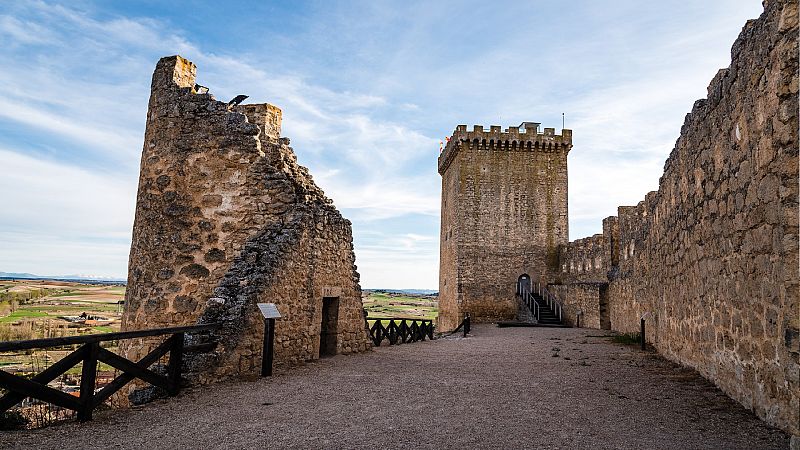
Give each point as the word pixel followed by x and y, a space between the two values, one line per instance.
pixel 226 219
pixel 710 260
pixel 504 214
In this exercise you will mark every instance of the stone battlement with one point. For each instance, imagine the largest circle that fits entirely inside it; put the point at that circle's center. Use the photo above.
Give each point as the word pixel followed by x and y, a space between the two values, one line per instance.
pixel 510 139
pixel 176 72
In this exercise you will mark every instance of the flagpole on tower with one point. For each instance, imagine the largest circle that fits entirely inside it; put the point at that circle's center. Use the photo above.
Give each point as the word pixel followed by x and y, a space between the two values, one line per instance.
pixel 562 121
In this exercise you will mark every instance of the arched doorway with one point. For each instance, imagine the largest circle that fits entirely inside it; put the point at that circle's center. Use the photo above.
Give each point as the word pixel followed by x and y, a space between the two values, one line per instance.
pixel 523 284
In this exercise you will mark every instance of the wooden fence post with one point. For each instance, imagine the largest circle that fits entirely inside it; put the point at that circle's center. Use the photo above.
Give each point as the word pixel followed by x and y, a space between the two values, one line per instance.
pixel 175 362
pixel 88 378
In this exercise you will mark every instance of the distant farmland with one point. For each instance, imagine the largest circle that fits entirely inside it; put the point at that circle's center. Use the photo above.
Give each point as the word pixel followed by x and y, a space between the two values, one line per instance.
pixel 381 304
pixel 33 309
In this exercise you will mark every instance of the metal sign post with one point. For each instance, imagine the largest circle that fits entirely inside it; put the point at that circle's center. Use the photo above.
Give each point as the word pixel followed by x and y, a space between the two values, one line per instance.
pixel 642 335
pixel 270 313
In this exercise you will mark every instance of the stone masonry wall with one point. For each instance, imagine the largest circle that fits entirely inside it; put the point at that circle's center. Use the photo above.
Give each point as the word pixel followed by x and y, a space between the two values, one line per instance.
pixel 711 258
pixel 579 298
pixel 628 295
pixel 585 259
pixel 450 292
pixel 225 219
pixel 504 214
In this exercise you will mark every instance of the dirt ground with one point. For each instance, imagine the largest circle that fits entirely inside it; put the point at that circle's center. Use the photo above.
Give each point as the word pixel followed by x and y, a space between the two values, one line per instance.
pixel 499 388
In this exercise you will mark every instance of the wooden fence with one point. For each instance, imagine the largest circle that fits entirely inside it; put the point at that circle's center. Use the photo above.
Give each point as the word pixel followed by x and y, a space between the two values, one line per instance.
pixel 399 330
pixel 89 353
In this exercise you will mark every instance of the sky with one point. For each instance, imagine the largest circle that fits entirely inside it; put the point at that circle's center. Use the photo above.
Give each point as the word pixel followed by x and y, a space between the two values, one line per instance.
pixel 368 89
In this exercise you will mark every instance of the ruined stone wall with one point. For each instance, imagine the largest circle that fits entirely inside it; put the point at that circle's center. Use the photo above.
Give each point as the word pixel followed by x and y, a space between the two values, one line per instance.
pixel 505 207
pixel 711 258
pixel 225 219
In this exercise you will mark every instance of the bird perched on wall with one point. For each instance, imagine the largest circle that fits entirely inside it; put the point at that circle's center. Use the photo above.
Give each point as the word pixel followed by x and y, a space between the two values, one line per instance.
pixel 199 87
pixel 236 101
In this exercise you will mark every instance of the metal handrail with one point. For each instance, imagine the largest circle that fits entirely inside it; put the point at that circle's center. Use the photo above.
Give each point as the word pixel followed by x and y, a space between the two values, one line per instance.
pixel 533 307
pixel 552 301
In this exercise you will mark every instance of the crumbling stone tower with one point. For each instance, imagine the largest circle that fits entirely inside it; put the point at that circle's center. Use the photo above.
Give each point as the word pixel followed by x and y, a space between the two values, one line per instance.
pixel 225 219
pixel 504 214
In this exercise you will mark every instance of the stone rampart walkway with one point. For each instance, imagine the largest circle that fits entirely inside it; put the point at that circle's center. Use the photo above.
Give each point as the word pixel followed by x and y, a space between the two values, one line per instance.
pixel 502 388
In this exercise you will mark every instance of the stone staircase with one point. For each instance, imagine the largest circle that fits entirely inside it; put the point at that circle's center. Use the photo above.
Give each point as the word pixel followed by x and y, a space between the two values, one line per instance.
pixel 536 308
pixel 547 315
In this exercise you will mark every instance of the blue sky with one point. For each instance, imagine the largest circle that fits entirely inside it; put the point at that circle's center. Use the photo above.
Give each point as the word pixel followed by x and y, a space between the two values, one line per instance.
pixel 368 89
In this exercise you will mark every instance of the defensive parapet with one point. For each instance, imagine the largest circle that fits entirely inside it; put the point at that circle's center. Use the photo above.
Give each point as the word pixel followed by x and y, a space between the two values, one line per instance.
pixel 512 139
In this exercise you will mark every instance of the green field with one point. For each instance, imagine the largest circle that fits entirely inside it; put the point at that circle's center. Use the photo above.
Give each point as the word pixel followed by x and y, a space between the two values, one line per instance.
pixel 22 314
pixel 34 309
pixel 380 304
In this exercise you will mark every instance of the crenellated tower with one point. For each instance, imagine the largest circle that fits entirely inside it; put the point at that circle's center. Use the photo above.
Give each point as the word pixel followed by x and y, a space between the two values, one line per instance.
pixel 504 214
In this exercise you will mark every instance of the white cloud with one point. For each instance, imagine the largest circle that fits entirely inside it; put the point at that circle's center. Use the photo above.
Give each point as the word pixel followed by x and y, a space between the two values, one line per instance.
pixel 91 92
pixel 79 79
pixel 74 127
pixel 399 260
pixel 23 32
pixel 63 219
pixel 370 199
pixel 624 132
pixel 44 254
pixel 54 198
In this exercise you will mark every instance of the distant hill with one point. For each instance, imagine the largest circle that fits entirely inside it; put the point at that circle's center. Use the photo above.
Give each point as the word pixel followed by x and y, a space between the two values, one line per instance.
pixel 407 291
pixel 18 275
pixel 79 278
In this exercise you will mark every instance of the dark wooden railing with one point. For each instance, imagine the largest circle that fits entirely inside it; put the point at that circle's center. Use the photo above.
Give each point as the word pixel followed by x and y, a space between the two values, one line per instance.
pixel 89 353
pixel 399 330
pixel 465 325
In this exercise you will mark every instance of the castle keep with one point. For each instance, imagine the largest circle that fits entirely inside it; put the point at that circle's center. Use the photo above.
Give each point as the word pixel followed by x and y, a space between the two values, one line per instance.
pixel 225 219
pixel 504 214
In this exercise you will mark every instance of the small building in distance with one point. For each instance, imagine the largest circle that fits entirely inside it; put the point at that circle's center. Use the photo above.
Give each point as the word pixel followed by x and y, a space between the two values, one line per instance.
pixel 504 216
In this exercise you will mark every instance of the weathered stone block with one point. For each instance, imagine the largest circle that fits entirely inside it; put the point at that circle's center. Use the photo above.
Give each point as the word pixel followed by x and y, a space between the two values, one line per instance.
pixel 203 251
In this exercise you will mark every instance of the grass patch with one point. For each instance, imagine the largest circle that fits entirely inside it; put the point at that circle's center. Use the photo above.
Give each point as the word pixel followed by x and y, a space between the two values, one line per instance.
pixel 39 317
pixel 22 314
pixel 103 329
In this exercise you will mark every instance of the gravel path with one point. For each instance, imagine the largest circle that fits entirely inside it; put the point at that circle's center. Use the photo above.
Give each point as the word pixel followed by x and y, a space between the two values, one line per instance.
pixel 500 388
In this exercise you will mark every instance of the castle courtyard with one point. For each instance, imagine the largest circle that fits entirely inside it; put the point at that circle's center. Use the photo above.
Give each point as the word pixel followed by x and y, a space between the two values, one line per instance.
pixel 498 388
